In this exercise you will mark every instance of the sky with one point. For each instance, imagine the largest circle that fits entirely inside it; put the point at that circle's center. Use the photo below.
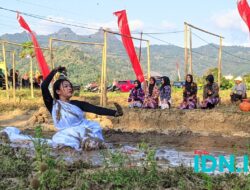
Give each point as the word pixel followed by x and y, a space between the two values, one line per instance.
pixel 147 16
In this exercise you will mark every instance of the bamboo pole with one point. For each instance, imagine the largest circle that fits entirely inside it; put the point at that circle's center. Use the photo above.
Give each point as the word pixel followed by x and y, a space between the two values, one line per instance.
pixel 127 36
pixel 102 75
pixel 105 70
pixel 178 71
pixel 220 62
pixel 185 50
pixel 148 52
pixel 140 49
pixel 76 42
pixel 190 52
pixel 192 26
pixel 17 44
pixel 31 78
pixel 6 71
pixel 14 76
pixel 51 54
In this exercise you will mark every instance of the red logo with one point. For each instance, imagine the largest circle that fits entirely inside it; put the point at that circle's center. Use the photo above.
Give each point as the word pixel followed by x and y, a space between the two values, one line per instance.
pixel 200 152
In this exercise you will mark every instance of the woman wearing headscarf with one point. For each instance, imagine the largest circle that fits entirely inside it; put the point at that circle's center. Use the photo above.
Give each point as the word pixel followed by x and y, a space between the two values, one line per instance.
pixel 152 95
pixel 165 93
pixel 210 93
pixel 189 94
pixel 136 96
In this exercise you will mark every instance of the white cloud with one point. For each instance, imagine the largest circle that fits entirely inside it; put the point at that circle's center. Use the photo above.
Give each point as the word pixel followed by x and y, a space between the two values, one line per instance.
pixel 229 20
pixel 136 25
pixel 44 27
pixel 168 25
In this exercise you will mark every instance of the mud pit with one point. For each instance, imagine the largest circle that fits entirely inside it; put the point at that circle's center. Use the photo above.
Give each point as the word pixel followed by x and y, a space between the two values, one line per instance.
pixel 223 128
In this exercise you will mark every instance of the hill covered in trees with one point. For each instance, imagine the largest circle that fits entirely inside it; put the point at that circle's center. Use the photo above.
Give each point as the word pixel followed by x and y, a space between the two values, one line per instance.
pixel 84 61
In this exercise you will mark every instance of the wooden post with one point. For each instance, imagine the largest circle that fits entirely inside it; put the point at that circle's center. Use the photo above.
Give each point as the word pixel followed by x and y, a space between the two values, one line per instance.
pixel 140 49
pixel 105 70
pixel 31 77
pixel 185 50
pixel 178 71
pixel 14 76
pixel 6 71
pixel 148 52
pixel 102 75
pixel 190 52
pixel 219 62
pixel 103 100
pixel 51 53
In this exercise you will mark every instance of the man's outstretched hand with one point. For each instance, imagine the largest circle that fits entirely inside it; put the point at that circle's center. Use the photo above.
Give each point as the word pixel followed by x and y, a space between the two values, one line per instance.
pixel 119 111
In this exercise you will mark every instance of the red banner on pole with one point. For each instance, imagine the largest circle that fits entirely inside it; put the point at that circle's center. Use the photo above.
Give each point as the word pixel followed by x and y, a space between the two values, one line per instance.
pixel 244 11
pixel 128 43
pixel 43 66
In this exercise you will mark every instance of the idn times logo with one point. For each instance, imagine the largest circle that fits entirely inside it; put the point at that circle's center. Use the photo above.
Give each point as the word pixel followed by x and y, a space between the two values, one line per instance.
pixel 204 162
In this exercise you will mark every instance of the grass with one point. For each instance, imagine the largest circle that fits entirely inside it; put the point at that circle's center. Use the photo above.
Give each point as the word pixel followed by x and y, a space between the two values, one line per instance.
pixel 25 102
pixel 20 171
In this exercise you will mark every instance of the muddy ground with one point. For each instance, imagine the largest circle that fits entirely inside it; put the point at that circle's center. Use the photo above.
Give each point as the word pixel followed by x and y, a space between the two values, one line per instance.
pixel 218 129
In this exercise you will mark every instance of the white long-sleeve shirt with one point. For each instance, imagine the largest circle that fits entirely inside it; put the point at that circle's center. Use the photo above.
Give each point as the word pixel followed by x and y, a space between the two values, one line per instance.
pixel 239 89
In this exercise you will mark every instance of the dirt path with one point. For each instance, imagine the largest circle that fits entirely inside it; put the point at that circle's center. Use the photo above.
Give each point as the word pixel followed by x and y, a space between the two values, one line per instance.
pixel 17 118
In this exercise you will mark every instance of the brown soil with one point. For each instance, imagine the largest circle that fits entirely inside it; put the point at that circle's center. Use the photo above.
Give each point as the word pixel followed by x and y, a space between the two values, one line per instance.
pixel 218 129
pixel 223 121
pixel 187 142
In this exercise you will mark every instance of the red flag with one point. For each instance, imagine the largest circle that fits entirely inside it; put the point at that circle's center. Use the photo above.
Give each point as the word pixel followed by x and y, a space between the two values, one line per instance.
pixel 128 43
pixel 244 11
pixel 39 54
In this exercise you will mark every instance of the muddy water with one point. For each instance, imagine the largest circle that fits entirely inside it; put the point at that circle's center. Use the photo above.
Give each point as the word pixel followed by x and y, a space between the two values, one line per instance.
pixel 171 150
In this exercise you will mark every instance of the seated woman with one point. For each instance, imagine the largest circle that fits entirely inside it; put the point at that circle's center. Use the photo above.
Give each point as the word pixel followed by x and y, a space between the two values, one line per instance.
pixel 189 94
pixel 152 95
pixel 238 91
pixel 69 118
pixel 136 96
pixel 165 93
pixel 210 93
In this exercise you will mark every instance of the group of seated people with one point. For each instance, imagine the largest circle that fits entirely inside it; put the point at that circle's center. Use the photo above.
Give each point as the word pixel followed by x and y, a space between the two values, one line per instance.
pixel 154 97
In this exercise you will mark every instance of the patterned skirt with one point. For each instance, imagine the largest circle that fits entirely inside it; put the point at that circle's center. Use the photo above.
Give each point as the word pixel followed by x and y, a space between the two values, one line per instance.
pixel 150 103
pixel 135 104
pixel 189 103
pixel 210 103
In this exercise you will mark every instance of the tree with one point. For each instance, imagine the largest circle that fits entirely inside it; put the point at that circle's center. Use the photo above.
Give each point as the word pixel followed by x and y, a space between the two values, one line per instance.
pixel 225 84
pixel 27 49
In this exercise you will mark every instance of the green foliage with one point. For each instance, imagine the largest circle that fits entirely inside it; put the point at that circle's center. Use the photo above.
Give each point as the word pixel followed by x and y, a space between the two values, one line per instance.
pixel 247 80
pixel 14 162
pixel 213 71
pixel 27 49
pixel 226 84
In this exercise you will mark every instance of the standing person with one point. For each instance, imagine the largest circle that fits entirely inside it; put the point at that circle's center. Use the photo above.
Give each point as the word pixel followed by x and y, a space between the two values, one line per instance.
pixel 114 85
pixel 189 94
pixel 2 79
pixel 238 91
pixel 136 96
pixel 152 95
pixel 210 93
pixel 17 79
pixel 165 93
pixel 25 80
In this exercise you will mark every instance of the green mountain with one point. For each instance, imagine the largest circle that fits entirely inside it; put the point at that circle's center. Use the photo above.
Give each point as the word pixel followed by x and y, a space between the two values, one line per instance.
pixel 84 61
